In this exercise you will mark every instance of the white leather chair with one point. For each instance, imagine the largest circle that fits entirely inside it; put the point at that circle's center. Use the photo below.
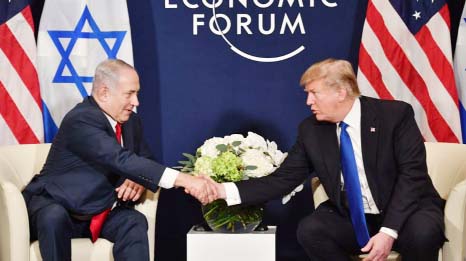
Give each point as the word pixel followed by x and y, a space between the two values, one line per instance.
pixel 18 164
pixel 446 164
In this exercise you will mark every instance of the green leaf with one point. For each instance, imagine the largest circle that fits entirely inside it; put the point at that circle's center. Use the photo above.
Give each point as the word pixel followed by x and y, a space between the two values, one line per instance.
pixel 236 143
pixel 222 147
pixel 187 169
pixel 190 157
pixel 185 162
pixel 250 167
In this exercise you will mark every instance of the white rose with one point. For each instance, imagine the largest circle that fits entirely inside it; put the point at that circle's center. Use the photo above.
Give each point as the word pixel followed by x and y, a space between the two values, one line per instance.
pixel 257 158
pixel 277 155
pixel 234 137
pixel 256 141
pixel 209 148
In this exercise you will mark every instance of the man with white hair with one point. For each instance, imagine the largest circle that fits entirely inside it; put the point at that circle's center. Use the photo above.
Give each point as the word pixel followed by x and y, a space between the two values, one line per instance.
pixel 98 156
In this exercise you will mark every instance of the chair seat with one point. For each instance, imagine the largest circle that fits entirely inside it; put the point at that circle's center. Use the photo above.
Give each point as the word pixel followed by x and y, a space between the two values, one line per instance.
pixel 81 249
pixel 393 256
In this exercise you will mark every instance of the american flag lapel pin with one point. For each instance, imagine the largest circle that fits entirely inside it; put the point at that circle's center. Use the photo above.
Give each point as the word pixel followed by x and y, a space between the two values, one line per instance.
pixel 372 129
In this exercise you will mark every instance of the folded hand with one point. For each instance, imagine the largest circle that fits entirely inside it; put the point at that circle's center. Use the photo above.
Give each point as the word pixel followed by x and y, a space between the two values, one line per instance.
pixel 129 190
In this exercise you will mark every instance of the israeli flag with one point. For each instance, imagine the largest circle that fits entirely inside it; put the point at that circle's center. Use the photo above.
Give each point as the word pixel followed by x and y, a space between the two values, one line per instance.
pixel 74 37
pixel 460 70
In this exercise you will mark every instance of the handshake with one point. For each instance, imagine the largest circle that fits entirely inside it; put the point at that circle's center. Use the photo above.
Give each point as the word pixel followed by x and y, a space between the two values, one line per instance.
pixel 202 187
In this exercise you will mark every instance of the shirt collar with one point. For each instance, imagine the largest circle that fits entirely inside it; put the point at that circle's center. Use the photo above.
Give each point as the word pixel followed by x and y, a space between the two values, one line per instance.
pixel 353 118
pixel 111 121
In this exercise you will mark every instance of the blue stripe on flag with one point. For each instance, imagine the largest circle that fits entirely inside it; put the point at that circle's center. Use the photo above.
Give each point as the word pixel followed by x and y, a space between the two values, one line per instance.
pixel 50 128
pixel 463 121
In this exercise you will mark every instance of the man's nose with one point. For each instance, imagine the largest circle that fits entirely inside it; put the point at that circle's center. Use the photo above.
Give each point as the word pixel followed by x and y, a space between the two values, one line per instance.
pixel 310 99
pixel 135 101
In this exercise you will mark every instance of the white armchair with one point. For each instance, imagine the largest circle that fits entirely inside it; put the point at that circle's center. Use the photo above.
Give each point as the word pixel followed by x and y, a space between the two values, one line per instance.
pixel 18 164
pixel 446 163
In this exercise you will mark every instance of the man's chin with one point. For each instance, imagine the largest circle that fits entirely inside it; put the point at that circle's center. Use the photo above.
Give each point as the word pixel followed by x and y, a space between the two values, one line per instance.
pixel 124 118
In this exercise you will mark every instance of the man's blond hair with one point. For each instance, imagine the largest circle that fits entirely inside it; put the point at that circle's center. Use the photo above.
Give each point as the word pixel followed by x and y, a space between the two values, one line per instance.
pixel 335 73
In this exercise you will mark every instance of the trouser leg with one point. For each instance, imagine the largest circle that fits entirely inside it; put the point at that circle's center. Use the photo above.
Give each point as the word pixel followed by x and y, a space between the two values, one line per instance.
pixel 327 235
pixel 127 229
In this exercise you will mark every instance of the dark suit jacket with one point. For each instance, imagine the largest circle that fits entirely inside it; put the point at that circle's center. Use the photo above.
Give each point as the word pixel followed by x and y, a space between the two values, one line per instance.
pixel 394 160
pixel 85 162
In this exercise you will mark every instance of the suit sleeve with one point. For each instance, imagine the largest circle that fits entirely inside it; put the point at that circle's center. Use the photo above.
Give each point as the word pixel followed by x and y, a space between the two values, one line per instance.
pixel 410 157
pixel 291 173
pixel 142 147
pixel 89 139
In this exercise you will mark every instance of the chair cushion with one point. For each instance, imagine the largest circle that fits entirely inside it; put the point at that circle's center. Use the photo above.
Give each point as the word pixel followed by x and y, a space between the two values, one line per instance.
pixel 454 224
pixel 82 249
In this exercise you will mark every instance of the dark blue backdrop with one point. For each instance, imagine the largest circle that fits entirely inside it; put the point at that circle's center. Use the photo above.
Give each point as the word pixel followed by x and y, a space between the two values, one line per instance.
pixel 205 89
pixel 194 87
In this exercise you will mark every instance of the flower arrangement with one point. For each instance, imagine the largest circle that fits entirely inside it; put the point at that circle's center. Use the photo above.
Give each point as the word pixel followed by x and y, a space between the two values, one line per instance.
pixel 230 159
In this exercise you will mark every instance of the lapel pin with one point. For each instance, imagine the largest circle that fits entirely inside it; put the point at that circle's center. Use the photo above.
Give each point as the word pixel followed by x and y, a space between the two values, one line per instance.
pixel 372 129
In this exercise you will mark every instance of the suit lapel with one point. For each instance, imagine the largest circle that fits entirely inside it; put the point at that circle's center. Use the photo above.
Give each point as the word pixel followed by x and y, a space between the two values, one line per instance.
pixel 110 129
pixel 127 134
pixel 126 130
pixel 370 129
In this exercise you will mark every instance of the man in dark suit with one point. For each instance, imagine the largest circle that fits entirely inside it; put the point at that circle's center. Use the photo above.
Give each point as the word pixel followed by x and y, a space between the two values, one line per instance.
pixel 100 144
pixel 382 159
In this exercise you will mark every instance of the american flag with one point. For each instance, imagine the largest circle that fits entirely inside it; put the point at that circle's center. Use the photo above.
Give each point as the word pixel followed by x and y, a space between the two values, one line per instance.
pixel 405 54
pixel 20 102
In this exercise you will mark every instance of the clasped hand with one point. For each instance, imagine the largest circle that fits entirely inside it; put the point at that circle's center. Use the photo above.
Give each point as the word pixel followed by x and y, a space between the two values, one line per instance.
pixel 204 189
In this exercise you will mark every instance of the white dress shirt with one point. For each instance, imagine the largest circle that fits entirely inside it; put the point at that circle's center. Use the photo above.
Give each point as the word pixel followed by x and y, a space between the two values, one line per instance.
pixel 353 119
pixel 169 176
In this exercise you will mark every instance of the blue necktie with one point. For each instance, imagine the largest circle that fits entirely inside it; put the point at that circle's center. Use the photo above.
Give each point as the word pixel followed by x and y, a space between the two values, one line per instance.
pixel 352 186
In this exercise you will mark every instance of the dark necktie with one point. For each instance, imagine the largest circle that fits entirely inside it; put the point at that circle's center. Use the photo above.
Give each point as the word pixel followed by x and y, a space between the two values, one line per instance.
pixel 353 187
pixel 98 220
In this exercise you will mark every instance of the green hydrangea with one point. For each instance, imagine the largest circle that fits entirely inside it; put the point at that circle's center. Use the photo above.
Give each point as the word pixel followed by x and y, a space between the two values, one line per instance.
pixel 227 167
pixel 203 165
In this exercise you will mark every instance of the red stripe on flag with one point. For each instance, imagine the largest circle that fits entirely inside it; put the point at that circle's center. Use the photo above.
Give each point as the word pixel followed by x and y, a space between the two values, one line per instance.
pixel 28 16
pixel 373 74
pixel 20 61
pixel 395 54
pixel 445 13
pixel 15 120
pixel 442 68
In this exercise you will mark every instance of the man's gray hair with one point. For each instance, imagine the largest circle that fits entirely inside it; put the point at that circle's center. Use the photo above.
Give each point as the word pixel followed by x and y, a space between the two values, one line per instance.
pixel 108 72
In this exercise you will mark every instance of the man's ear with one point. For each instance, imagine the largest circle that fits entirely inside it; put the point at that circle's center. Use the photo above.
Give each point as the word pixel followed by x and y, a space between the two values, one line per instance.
pixel 342 93
pixel 103 93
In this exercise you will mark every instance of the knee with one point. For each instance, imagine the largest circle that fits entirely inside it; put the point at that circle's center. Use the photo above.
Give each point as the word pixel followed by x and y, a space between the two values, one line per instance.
pixel 427 240
pixel 137 220
pixel 53 217
pixel 309 231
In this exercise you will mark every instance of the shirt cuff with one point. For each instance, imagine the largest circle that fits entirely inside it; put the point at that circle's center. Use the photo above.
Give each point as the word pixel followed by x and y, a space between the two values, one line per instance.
pixel 231 193
pixel 167 181
pixel 389 231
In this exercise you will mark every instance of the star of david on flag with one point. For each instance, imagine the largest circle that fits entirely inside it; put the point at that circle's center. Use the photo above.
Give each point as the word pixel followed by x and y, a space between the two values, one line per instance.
pixel 73 36
pixel 71 45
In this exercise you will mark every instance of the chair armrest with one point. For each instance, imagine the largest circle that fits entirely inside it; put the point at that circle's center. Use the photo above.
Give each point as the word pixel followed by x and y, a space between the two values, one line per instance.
pixel 318 192
pixel 455 222
pixel 14 224
pixel 148 207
